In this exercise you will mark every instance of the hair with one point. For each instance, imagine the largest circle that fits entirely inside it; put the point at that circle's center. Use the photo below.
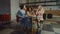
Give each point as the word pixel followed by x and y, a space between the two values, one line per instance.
pixel 21 6
pixel 40 7
pixel 29 8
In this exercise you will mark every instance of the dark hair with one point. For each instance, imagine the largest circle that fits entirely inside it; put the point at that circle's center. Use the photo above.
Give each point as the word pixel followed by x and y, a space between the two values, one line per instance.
pixel 29 8
pixel 21 6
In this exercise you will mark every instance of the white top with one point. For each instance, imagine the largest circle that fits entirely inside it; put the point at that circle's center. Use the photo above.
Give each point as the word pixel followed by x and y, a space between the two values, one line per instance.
pixel 23 12
pixel 40 14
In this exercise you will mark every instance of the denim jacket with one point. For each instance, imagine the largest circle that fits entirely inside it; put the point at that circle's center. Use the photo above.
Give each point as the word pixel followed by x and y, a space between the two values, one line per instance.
pixel 25 22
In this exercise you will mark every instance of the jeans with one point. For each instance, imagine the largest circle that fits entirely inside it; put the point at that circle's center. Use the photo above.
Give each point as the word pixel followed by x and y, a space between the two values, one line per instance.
pixel 25 22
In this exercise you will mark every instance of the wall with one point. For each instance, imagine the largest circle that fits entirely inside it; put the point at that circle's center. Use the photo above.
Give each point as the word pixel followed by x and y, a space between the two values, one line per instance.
pixel 53 7
pixel 14 8
pixel 22 1
pixel 4 6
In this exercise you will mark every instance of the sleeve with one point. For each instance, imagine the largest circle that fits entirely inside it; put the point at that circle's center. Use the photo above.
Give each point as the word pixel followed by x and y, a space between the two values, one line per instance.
pixel 19 13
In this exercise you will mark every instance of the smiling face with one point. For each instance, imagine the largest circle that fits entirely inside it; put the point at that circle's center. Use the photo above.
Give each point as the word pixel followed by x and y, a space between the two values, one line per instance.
pixel 30 9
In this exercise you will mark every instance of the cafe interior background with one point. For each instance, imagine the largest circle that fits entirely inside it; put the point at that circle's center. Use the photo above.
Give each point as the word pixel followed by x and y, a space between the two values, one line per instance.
pixel 10 7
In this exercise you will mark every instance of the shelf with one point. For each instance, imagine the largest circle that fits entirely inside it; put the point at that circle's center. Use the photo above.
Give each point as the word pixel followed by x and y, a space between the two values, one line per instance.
pixel 42 5
pixel 39 2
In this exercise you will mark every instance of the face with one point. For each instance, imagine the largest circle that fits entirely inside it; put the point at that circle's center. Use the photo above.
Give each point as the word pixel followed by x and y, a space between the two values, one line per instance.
pixel 39 8
pixel 24 7
pixel 30 9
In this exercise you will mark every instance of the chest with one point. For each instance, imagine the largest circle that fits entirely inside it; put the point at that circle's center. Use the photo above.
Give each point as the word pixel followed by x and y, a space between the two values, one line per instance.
pixel 23 12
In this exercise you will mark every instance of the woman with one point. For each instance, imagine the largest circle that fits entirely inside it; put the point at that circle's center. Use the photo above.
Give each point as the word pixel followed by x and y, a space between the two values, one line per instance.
pixel 23 20
pixel 31 14
pixel 39 13
pixel 30 11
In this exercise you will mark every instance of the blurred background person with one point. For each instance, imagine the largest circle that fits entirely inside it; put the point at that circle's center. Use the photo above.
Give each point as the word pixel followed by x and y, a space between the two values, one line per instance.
pixel 39 13
pixel 21 11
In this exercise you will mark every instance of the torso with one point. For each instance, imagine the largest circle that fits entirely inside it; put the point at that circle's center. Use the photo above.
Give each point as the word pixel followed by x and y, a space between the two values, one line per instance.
pixel 40 15
pixel 23 12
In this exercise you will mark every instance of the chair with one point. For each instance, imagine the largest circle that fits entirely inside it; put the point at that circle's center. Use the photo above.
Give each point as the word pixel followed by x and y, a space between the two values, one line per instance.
pixel 49 16
pixel 44 16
